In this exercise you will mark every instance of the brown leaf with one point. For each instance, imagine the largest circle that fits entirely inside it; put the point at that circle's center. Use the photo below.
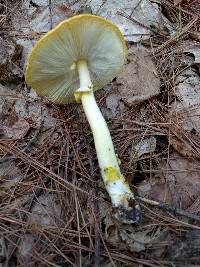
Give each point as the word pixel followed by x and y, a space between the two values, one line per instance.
pixel 10 53
pixel 145 146
pixel 17 130
pixel 188 95
pixel 135 239
pixel 182 183
pixel 9 175
pixel 185 149
pixel 138 80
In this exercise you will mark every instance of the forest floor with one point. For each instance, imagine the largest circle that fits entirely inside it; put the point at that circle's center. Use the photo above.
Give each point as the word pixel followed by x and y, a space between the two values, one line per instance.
pixel 54 209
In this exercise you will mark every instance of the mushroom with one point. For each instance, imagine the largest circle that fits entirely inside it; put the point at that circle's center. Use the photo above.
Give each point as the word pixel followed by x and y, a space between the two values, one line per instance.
pixel 69 63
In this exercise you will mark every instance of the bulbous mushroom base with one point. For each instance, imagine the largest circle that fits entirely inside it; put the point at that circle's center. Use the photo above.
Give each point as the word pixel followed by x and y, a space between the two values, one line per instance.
pixel 130 215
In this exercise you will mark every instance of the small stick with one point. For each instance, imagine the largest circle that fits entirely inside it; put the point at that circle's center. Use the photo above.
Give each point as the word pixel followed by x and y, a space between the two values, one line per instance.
pixel 166 207
pixel 102 239
pixel 174 39
pixel 97 235
pixel 123 14
pixel 2 251
pixel 50 15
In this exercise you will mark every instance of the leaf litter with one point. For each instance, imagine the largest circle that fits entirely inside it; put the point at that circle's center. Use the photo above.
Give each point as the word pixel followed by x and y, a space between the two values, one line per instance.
pixel 54 209
pixel 139 72
pixel 134 18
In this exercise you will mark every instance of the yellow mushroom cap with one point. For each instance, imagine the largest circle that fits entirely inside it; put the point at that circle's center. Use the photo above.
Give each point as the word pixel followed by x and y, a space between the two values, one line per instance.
pixel 51 69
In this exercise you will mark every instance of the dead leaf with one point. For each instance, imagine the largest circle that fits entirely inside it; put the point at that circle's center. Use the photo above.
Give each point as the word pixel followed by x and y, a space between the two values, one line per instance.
pixel 145 146
pixel 40 21
pixel 178 2
pixel 10 52
pixel 139 80
pixel 12 126
pixel 185 149
pixel 10 177
pixel 45 212
pixel 141 239
pixel 186 247
pixel 125 14
pixel 112 103
pixel 25 249
pixel 195 35
pixel 135 239
pixel 17 130
pixel 181 185
pixel 188 94
pixel 144 188
pixel 190 50
pixel 10 174
pixel 193 49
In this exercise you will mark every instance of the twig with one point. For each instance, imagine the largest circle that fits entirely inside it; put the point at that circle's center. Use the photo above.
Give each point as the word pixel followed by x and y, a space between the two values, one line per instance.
pixel 173 39
pixel 123 14
pixel 97 236
pixel 166 207
pixel 2 251
pixel 102 239
pixel 135 7
pixel 50 15
pixel 78 226
pixel 96 212
pixel 29 205
pixel 36 164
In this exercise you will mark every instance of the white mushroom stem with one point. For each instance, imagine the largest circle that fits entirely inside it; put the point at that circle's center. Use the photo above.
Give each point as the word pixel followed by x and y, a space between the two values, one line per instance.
pixel 114 181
